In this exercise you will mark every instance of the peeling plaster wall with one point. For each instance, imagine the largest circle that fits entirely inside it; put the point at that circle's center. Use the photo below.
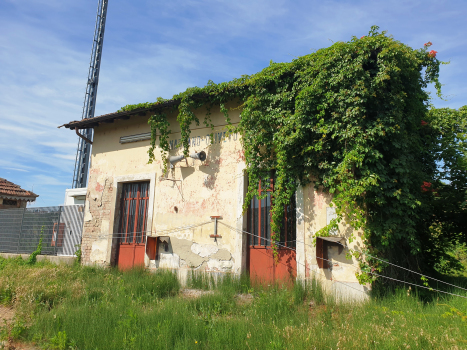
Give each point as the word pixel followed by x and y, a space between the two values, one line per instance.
pixel 340 277
pixel 201 190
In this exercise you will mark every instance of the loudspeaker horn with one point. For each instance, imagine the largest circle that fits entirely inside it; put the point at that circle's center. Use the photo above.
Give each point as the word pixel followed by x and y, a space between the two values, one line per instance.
pixel 175 159
pixel 200 155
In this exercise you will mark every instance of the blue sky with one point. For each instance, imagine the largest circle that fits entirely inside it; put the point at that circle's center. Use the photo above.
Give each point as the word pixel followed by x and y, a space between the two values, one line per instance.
pixel 159 48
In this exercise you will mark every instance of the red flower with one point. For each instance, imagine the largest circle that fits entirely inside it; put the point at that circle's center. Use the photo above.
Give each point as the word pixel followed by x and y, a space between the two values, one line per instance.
pixel 426 186
pixel 432 53
pixel 428 44
pixel 362 37
pixel 424 123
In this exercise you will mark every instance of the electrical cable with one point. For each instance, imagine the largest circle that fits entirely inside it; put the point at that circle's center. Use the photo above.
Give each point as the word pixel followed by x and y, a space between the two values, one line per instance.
pixel 175 229
pixel 420 274
pixel 389 263
pixel 312 271
pixel 375 274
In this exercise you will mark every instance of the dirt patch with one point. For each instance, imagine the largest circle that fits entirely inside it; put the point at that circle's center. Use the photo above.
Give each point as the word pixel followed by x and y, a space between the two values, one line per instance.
pixel 18 346
pixel 195 293
pixel 6 314
pixel 244 299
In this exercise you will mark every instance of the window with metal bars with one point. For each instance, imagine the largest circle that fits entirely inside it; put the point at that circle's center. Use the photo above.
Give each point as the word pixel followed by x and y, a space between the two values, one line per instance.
pixel 134 208
pixel 260 219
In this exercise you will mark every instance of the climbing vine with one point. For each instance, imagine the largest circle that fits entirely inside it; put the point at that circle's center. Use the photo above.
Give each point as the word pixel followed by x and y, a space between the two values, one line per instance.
pixel 347 118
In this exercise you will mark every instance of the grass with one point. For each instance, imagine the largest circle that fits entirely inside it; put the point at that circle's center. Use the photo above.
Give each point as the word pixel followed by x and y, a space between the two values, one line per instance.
pixel 62 307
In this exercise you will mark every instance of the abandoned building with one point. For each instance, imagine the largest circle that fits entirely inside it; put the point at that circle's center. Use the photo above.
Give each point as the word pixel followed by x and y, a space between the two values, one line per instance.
pixel 13 196
pixel 190 218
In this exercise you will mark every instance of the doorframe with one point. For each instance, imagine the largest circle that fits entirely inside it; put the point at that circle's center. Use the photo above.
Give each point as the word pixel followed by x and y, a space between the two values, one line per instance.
pixel 115 219
pixel 299 232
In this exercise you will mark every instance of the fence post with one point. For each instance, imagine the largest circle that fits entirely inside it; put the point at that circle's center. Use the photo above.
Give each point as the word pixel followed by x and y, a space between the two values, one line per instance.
pixel 58 229
pixel 20 231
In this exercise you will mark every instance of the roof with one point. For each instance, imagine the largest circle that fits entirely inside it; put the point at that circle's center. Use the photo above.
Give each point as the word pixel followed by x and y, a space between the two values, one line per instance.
pixel 111 117
pixel 9 190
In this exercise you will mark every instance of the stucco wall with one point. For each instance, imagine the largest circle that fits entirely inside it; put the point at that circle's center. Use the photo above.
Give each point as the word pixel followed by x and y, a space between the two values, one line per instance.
pixel 201 190
pixel 340 275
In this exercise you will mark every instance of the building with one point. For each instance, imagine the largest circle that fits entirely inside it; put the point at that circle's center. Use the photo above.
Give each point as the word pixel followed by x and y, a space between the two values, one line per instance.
pixel 13 196
pixel 191 218
pixel 74 196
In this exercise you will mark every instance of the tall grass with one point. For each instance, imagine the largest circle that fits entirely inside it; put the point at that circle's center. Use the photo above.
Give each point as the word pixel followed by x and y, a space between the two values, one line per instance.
pixel 90 308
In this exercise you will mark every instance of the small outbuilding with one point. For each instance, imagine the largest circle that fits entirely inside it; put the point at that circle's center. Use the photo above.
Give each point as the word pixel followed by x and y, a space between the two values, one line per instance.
pixel 13 196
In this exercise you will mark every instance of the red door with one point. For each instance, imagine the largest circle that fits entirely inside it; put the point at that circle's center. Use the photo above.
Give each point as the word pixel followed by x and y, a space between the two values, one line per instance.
pixel 132 232
pixel 261 264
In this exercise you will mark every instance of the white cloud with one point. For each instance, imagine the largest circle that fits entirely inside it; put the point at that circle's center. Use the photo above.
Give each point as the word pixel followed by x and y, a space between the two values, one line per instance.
pixel 65 156
pixel 17 169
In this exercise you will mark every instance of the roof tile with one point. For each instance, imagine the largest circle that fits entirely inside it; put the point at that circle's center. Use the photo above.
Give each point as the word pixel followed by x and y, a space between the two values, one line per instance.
pixel 8 188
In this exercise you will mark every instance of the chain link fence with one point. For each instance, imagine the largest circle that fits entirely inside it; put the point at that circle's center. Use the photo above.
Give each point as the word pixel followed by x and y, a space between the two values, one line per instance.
pixel 60 228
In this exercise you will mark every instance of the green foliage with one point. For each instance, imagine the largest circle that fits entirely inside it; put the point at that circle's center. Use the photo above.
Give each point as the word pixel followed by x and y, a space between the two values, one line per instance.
pixel 78 254
pixel 349 119
pixel 33 257
pixel 141 105
pixel 11 331
pixel 61 342
pixel 446 130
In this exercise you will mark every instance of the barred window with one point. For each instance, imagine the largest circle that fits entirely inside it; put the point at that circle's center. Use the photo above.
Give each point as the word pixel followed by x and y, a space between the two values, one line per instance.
pixel 260 219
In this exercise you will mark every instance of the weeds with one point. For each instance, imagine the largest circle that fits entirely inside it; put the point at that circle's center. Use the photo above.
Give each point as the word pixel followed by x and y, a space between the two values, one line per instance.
pixel 33 257
pixel 91 308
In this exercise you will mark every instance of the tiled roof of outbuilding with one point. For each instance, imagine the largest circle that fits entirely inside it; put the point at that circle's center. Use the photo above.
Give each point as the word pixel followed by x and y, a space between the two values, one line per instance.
pixel 10 190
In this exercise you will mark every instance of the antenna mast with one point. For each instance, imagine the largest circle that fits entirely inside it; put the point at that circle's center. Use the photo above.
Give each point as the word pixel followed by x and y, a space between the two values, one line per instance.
pixel 83 152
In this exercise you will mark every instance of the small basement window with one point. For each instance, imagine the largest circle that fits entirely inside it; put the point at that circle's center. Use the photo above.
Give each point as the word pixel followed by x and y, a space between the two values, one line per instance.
pixel 322 245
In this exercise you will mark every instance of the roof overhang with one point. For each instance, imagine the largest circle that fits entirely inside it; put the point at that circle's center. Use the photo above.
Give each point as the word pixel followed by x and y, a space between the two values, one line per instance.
pixel 22 198
pixel 91 123
pixel 157 107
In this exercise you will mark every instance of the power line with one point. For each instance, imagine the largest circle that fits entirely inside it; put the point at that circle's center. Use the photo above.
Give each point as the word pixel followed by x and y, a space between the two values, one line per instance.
pixel 122 234
pixel 401 267
pixel 315 272
pixel 390 278
pixel 345 246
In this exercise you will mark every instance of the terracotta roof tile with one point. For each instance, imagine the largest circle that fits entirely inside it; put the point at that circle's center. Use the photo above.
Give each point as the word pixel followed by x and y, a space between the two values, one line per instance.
pixel 8 189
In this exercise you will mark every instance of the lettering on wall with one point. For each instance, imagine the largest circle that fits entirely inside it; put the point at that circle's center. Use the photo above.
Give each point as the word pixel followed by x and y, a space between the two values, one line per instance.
pixel 196 141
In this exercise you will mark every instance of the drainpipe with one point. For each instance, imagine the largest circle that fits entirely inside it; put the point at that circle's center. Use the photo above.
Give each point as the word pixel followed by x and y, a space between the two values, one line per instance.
pixel 83 137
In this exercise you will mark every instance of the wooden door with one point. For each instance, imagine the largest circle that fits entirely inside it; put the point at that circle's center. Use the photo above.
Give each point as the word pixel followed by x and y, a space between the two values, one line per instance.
pixel 132 231
pixel 261 264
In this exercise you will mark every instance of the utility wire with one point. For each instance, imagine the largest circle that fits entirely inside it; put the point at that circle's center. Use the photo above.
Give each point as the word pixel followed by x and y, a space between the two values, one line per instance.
pixel 374 257
pixel 122 234
pixel 312 271
pixel 401 267
pixel 119 235
pixel 375 274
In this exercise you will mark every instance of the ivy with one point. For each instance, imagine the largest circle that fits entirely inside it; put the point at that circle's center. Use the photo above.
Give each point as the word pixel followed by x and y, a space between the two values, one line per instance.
pixel 347 118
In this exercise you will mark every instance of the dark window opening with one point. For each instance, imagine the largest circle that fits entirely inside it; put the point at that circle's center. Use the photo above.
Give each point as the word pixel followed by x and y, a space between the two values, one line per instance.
pixel 322 246
pixel 135 198
pixel 10 202
pixel 260 219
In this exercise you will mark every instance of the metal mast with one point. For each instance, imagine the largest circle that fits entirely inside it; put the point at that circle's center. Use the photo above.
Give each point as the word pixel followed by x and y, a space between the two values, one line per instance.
pixel 83 152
